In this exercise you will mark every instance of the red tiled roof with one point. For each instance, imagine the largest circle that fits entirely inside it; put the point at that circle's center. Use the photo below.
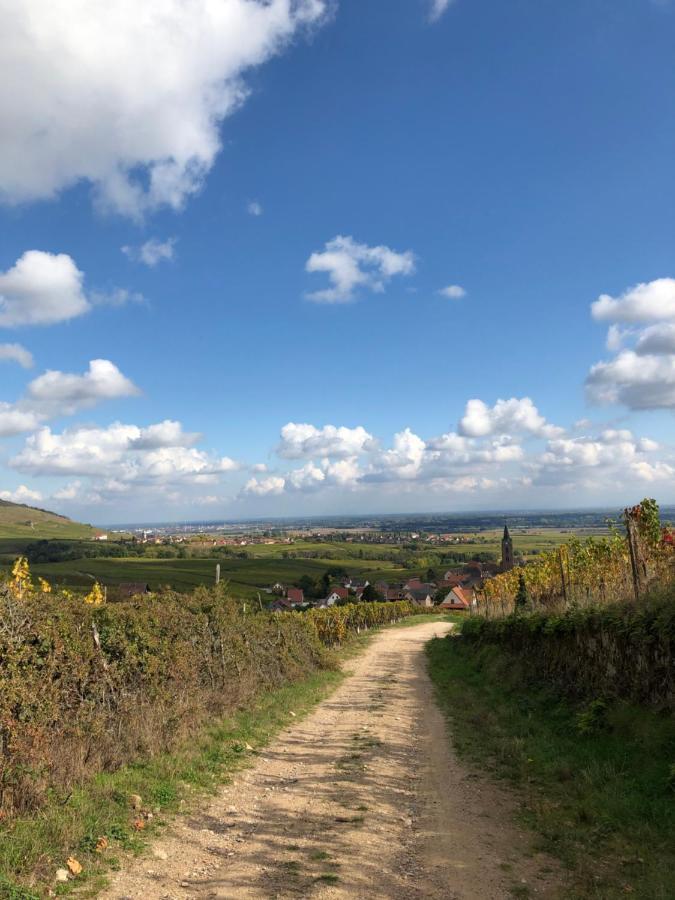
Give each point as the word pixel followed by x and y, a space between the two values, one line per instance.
pixel 295 595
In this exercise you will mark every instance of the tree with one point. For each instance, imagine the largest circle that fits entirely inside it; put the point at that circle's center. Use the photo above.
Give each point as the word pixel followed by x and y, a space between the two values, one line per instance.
pixel 307 585
pixel 431 575
pixel 521 594
pixel 370 595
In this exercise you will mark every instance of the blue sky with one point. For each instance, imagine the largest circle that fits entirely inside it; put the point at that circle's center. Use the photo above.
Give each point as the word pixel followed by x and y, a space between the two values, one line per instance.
pixel 336 257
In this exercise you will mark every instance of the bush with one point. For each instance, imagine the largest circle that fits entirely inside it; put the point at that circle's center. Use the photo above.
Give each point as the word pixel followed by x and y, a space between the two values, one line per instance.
pixel 625 650
pixel 87 688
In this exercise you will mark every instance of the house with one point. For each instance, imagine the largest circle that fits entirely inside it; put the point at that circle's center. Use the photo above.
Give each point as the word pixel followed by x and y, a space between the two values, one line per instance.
pixel 414 584
pixel 132 588
pixel 452 579
pixel 280 604
pixel 295 596
pixel 419 597
pixel 458 598
pixel 394 594
pixel 333 597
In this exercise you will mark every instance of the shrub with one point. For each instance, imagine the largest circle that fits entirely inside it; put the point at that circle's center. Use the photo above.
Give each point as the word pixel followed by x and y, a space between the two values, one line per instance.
pixel 624 650
pixel 88 687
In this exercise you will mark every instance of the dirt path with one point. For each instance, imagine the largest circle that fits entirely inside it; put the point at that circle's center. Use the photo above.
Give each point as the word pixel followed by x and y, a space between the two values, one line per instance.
pixel 362 799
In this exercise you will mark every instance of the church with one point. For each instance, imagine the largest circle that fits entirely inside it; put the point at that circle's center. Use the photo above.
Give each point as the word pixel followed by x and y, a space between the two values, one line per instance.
pixel 508 561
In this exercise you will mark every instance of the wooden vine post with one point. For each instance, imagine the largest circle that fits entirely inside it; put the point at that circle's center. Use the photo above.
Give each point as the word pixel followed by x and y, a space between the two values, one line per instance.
pixel 633 549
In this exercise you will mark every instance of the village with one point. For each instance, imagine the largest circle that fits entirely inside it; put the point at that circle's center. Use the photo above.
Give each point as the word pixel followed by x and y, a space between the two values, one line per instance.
pixel 455 591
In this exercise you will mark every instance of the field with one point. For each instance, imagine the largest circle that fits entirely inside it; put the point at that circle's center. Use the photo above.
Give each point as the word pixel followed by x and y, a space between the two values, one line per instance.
pixel 260 565
pixel 27 523
pixel 246 577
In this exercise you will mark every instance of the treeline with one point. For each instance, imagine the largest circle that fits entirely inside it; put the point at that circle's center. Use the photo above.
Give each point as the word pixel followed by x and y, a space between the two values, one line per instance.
pixel 408 557
pixel 86 687
pixel 47 551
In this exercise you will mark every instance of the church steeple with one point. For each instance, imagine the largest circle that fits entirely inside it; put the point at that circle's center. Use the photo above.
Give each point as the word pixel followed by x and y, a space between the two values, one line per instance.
pixel 508 561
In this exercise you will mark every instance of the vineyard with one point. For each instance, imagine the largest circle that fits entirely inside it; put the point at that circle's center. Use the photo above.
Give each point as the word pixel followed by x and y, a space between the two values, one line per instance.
pixel 87 686
pixel 596 571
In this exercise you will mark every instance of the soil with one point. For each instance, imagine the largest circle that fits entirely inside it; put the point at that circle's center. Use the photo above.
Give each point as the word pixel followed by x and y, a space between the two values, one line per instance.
pixel 363 798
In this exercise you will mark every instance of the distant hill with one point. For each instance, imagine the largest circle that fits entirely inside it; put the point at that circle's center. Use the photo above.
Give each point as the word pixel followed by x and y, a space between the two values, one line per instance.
pixel 20 521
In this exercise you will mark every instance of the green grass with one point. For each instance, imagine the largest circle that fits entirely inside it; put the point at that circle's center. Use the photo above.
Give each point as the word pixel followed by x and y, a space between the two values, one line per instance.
pixel 246 577
pixel 35 846
pixel 19 522
pixel 597 785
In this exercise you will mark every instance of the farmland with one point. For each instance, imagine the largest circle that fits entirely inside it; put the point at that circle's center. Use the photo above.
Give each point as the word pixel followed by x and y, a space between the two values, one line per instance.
pixel 26 523
pixel 245 576
pixel 254 567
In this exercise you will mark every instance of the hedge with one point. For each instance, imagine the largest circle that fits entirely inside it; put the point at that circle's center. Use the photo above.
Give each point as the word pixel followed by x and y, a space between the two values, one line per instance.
pixel 86 689
pixel 623 650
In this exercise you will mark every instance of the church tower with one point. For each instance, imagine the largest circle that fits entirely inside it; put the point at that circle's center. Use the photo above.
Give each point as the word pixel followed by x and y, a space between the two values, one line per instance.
pixel 507 551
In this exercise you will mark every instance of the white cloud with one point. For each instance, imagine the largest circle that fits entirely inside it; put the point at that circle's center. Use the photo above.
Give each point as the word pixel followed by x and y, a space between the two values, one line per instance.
pixel 22 494
pixel 69 491
pixel 122 453
pixel 405 458
pixel 438 7
pixel 301 441
pixel 128 96
pixel 60 393
pixel 648 302
pixel 453 292
pixel 116 297
pixel 657 340
pixel 351 266
pixel 16 353
pixel 152 251
pixel 253 208
pixel 16 421
pixel 505 417
pixel 307 478
pixel 168 433
pixel 636 381
pixel 264 487
pixel 41 289
pixel 646 471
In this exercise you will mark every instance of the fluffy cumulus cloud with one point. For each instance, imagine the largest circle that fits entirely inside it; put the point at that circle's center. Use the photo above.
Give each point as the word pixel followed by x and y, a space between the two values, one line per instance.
pixel 634 380
pixel 121 454
pixel 650 302
pixel 265 487
pixel 41 289
pixel 61 393
pixel 152 252
pixel 16 353
pixel 505 417
pixel 604 461
pixel 22 494
pixel 16 421
pixel 126 96
pixel 300 441
pixel 641 376
pixel 351 266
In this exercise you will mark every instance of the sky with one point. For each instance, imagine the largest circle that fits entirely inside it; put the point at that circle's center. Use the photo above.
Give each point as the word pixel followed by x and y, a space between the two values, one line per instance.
pixel 304 257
